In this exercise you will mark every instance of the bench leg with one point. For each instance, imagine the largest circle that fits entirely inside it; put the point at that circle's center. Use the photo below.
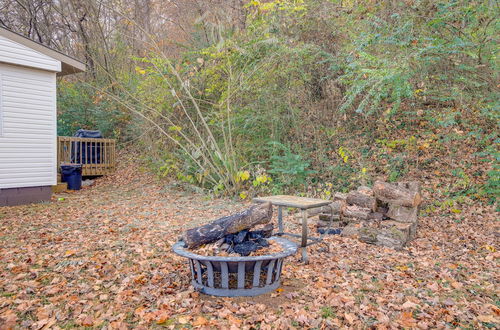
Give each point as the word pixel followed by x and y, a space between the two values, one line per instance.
pixel 280 220
pixel 305 259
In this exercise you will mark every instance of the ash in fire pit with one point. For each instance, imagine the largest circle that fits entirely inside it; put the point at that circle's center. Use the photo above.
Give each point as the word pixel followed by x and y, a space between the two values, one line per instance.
pixel 245 241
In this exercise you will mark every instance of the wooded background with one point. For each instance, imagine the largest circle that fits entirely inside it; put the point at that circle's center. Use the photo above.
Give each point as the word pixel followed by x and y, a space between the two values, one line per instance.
pixel 313 96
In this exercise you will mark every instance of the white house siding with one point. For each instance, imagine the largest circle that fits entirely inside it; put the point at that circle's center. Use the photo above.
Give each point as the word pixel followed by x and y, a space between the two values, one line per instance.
pixel 27 127
pixel 14 53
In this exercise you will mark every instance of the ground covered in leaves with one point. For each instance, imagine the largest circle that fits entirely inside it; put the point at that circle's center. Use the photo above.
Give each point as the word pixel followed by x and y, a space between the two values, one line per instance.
pixel 102 258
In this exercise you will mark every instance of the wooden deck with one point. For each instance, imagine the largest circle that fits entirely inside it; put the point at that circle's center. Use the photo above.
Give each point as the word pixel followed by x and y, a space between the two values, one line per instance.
pixel 97 156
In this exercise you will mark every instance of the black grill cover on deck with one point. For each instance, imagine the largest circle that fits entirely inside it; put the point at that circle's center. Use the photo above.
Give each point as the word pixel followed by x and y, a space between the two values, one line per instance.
pixel 88 152
pixel 84 133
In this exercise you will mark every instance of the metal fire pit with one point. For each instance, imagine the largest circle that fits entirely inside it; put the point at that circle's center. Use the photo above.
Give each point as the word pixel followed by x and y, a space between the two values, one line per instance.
pixel 237 276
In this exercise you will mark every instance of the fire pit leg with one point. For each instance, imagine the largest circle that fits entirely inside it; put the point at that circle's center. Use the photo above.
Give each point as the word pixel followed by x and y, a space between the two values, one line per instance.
pixel 305 259
pixel 280 220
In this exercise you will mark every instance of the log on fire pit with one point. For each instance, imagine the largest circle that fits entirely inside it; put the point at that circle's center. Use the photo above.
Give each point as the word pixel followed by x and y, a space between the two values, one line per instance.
pixel 211 232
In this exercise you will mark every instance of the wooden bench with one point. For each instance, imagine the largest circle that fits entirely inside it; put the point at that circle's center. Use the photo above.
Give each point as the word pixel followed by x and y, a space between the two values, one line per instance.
pixel 302 203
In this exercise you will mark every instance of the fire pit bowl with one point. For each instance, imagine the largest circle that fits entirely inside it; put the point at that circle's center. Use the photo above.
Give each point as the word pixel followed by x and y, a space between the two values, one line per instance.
pixel 237 276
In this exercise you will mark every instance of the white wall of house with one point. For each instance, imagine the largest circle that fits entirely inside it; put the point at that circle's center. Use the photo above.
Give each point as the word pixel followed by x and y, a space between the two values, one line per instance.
pixel 28 125
pixel 15 53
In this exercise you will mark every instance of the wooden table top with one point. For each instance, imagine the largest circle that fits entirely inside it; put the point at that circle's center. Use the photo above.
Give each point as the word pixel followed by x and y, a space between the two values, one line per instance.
pixel 293 201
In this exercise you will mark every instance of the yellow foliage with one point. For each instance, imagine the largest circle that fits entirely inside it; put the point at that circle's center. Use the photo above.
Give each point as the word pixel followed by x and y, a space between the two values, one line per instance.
pixel 343 153
pixel 489 248
pixel 174 128
pixel 242 176
pixel 140 70
pixel 261 179
pixel 418 91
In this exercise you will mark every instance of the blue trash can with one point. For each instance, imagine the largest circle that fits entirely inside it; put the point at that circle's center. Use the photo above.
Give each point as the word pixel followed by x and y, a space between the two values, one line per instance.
pixel 72 175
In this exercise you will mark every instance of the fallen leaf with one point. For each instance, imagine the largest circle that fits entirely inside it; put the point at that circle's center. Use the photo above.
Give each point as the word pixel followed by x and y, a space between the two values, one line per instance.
pixel 489 248
pixel 8 319
pixel 408 304
pixel 234 320
pixel 39 324
pixel 433 286
pixel 88 321
pixel 140 311
pixel 184 319
pixel 43 313
pixel 200 321
pixel 487 318
pixel 69 253
pixel 350 318
pixel 407 319
pixel 162 318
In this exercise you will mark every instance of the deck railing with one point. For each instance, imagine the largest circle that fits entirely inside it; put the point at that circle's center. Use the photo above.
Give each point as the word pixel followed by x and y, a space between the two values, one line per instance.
pixel 97 156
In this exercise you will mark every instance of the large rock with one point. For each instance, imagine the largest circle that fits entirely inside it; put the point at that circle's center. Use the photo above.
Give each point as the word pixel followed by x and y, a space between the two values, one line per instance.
pixel 411 185
pixel 328 217
pixel 362 200
pixel 338 196
pixel 397 194
pixel 403 213
pixel 376 216
pixel 331 224
pixel 354 211
pixel 406 229
pixel 365 190
pixel 351 230
pixel 391 234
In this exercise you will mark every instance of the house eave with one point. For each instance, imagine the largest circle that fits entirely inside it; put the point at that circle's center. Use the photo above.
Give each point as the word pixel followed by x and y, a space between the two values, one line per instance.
pixel 69 65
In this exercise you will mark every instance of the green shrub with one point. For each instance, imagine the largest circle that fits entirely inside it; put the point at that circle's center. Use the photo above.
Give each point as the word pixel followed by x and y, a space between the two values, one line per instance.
pixel 80 106
pixel 289 169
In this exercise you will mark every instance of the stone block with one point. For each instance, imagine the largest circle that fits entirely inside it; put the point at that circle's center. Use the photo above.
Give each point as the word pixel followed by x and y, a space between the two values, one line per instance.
pixel 391 234
pixel 354 211
pixel 351 230
pixel 331 224
pixel 365 190
pixel 338 196
pixel 329 217
pixel 411 185
pixel 376 216
pixel 349 220
pixel 403 213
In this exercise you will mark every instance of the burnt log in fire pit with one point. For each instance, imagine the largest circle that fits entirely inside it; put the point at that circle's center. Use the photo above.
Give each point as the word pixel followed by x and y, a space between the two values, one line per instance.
pixel 237 276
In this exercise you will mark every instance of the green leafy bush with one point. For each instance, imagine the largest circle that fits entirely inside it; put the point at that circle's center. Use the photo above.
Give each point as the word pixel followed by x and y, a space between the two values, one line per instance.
pixel 289 169
pixel 79 106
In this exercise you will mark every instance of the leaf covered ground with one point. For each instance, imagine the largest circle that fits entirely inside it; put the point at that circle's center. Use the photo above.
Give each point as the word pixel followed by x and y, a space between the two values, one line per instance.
pixel 102 258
